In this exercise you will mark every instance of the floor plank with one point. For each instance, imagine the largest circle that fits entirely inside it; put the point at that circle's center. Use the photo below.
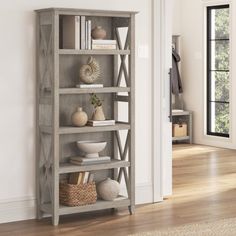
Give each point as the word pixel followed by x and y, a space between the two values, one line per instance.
pixel 204 190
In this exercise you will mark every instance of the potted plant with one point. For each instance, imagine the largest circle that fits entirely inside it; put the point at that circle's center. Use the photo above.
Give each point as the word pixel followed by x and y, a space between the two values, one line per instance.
pixel 98 113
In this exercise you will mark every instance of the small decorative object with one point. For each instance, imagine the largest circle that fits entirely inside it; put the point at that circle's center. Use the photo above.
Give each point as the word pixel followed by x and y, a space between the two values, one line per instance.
pixel 98 33
pixel 108 189
pixel 91 148
pixel 90 72
pixel 79 118
pixel 98 113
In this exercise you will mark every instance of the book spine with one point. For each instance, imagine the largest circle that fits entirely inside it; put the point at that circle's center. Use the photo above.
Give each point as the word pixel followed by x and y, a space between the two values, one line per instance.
pixel 106 122
pixel 101 123
pixel 103 46
pixel 90 85
pixel 91 177
pixel 104 41
pixel 86 34
pixel 89 163
pixel 82 178
pixel 82 33
pixel 98 125
pixel 68 32
pixel 86 176
pixel 89 35
pixel 77 32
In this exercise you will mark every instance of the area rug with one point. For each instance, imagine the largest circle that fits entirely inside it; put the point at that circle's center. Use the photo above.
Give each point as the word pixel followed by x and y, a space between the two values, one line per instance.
pixel 226 227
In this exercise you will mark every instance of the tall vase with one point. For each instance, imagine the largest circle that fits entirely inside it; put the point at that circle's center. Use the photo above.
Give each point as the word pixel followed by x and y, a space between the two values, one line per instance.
pixel 98 114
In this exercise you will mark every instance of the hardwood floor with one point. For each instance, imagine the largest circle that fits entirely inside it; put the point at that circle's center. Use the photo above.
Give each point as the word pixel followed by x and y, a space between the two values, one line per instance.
pixel 204 180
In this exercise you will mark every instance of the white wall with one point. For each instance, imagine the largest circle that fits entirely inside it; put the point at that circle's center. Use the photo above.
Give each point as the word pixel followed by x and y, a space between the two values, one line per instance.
pixel 176 17
pixel 191 27
pixel 17 100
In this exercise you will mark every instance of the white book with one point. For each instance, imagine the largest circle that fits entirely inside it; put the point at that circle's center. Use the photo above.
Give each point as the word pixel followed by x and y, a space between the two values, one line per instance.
pixel 91 159
pixel 104 46
pixel 86 177
pixel 82 34
pixel 86 34
pixel 71 32
pixel 104 41
pixel 88 163
pixel 101 123
pixel 89 85
pixel 89 34
pixel 91 177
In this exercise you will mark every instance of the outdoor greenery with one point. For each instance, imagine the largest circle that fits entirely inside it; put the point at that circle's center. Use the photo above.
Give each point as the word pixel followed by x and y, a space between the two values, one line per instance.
pixel 221 78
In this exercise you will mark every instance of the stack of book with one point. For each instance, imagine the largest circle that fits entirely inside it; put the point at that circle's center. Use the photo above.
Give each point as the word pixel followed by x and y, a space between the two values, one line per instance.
pixel 76 32
pixel 104 44
pixel 81 178
pixel 89 161
pixel 100 122
pixel 89 85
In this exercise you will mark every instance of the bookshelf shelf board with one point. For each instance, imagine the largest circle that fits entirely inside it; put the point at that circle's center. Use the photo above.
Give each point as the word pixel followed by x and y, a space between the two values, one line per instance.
pixel 99 205
pixel 93 52
pixel 182 113
pixel 70 168
pixel 180 138
pixel 90 129
pixel 86 129
pixel 93 90
pixel 120 201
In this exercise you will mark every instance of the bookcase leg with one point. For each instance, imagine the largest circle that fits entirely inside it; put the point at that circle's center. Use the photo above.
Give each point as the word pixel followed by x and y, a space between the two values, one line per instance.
pixel 39 214
pixel 55 220
pixel 131 210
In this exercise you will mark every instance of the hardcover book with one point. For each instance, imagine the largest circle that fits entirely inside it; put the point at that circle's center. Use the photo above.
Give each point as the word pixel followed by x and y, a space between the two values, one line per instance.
pixel 89 85
pixel 104 41
pixel 101 123
pixel 71 32
pixel 92 159
pixel 104 46
pixel 82 34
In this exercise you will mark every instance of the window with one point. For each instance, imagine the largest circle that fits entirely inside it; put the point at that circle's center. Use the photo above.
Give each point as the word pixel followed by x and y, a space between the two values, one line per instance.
pixel 218 70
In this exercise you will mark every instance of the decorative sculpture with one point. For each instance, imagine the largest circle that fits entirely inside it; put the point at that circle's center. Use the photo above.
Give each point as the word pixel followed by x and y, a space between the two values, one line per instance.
pixel 90 72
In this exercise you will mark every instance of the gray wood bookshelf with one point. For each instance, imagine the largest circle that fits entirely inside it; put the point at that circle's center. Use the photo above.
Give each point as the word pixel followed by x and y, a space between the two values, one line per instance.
pixel 58 97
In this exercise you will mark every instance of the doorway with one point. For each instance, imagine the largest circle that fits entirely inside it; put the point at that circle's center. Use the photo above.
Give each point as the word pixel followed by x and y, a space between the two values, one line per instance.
pixel 201 46
pixel 191 125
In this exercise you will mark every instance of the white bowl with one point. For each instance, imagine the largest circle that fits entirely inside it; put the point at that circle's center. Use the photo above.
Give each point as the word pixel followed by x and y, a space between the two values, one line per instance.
pixel 91 148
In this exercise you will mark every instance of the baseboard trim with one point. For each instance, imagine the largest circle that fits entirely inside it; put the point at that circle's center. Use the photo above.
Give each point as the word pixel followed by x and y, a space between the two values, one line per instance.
pixel 17 210
pixel 144 193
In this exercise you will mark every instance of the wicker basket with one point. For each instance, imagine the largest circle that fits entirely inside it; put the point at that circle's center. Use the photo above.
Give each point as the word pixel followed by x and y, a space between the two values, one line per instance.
pixel 77 195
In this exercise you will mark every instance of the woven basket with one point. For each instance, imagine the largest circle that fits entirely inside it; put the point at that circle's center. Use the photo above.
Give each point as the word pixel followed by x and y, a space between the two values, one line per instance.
pixel 77 195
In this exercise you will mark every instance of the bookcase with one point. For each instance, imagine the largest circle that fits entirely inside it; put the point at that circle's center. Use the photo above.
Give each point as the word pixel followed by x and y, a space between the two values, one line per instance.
pixel 58 97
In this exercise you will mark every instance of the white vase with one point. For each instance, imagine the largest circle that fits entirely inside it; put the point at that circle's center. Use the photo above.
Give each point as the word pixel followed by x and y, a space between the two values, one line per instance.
pixel 79 118
pixel 108 189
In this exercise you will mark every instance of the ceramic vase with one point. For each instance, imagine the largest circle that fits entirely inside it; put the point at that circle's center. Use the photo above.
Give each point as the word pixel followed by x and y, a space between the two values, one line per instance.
pixel 98 33
pixel 79 118
pixel 98 114
pixel 108 189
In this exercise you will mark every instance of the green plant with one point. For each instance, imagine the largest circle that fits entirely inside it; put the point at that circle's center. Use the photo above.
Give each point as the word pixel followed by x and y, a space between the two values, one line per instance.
pixel 95 100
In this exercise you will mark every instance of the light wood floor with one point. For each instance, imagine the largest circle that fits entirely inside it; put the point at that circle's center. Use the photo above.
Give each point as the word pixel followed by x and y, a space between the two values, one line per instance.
pixel 204 190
